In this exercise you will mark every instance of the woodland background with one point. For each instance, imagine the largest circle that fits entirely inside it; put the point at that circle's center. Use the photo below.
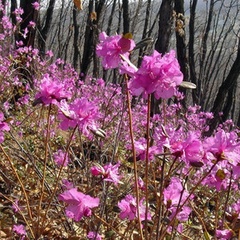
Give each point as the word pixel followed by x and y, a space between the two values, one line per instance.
pixel 204 33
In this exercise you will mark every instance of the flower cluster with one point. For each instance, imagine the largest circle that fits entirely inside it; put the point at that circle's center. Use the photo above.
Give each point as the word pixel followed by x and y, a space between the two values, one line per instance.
pixel 157 74
pixel 110 48
pixel 79 204
pixel 108 172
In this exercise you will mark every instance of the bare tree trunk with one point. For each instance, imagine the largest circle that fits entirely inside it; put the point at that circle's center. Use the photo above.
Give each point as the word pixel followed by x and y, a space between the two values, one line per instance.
pixel 191 51
pixel 226 88
pixel 126 20
pixel 46 27
pixel 76 52
pixel 181 38
pixel 91 35
pixel 165 26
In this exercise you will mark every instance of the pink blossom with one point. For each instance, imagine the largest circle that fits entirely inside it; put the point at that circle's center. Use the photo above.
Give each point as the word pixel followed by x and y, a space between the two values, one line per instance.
pixel 109 172
pixel 190 149
pixel 20 230
pixel 32 24
pixel 51 91
pixel 224 234
pixel 141 146
pixel 157 74
pixel 174 192
pixel 223 146
pixel 128 207
pixel 81 113
pixel 94 236
pixel 110 48
pixel 61 158
pixel 79 204
pixel 36 5
pixel 3 127
pixel 174 195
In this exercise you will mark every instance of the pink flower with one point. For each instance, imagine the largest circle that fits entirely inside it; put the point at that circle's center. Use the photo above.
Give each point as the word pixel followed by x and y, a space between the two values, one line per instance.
pixel 3 127
pixel 61 158
pixel 223 146
pixel 110 48
pixel 81 113
pixel 174 195
pixel 51 91
pixel 20 230
pixel 224 234
pixel 79 204
pixel 36 5
pixel 94 235
pixel 157 74
pixel 141 146
pixel 190 149
pixel 109 172
pixel 128 207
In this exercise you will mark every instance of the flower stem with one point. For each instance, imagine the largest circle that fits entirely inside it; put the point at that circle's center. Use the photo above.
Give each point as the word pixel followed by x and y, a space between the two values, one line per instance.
pixel 134 157
pixel 147 164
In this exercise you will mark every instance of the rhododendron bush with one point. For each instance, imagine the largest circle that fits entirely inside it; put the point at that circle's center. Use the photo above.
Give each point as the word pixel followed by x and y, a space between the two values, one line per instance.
pixel 86 159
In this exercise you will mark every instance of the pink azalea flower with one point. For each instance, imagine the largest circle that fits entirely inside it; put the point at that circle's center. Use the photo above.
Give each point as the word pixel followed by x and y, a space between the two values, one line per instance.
pixel 190 149
pixel 128 207
pixel 20 230
pixel 51 91
pixel 109 172
pixel 224 234
pixel 36 5
pixel 223 146
pixel 110 48
pixel 157 74
pixel 81 113
pixel 94 236
pixel 3 127
pixel 141 146
pixel 79 204
pixel 60 158
pixel 173 193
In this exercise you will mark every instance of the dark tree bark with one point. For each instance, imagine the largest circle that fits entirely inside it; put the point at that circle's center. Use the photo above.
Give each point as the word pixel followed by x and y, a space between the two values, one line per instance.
pixel 76 52
pixel 165 26
pixel 226 88
pixel 191 51
pixel 126 20
pixel 91 35
pixel 181 38
pixel 46 27
pixel 30 14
